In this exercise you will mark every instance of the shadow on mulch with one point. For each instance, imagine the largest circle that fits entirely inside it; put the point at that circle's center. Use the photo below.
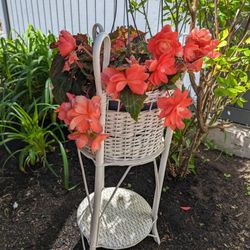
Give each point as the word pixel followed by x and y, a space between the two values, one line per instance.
pixel 34 207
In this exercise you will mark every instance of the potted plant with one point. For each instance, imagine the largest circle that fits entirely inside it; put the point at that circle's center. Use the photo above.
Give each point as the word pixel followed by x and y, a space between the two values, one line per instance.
pixel 140 83
pixel 117 113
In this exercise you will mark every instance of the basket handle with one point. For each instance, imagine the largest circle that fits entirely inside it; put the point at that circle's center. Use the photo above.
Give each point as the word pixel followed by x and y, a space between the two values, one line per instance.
pixel 99 40
pixel 97 28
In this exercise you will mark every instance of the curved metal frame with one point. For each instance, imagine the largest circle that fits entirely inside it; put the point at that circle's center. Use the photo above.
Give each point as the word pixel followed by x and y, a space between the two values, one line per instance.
pixel 103 39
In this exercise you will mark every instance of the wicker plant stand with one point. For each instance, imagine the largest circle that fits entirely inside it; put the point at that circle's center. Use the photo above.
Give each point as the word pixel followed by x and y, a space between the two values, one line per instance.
pixel 117 218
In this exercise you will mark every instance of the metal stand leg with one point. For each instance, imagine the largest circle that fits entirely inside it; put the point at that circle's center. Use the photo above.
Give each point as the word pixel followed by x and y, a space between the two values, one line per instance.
pixel 99 184
pixel 83 242
pixel 99 170
pixel 159 175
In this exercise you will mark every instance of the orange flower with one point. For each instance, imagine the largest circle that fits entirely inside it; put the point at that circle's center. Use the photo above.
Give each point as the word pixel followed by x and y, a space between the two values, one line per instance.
pixel 72 58
pixel 85 114
pixel 160 69
pixel 81 139
pixel 174 109
pixel 95 144
pixel 110 85
pixel 199 43
pixel 64 108
pixel 165 42
pixel 66 43
pixel 203 38
pixel 134 77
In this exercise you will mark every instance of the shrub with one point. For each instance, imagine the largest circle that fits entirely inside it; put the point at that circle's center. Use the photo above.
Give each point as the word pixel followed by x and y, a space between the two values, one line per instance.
pixel 222 80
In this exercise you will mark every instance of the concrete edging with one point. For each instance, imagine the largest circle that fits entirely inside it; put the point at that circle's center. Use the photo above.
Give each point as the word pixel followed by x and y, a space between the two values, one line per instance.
pixel 235 139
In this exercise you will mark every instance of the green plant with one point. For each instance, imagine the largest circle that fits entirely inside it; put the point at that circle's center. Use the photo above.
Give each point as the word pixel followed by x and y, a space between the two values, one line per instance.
pixel 24 67
pixel 78 79
pixel 248 189
pixel 222 80
pixel 35 138
pixel 227 176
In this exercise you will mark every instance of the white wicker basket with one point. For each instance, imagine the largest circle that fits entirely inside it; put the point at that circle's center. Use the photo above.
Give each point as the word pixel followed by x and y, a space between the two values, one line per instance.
pixel 131 141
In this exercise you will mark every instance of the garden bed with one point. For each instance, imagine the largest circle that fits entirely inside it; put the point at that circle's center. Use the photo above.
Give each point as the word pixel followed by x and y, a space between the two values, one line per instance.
pixel 37 213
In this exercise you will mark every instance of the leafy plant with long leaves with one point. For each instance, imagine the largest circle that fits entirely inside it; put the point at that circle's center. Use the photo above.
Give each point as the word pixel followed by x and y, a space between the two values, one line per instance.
pixel 24 67
pixel 36 139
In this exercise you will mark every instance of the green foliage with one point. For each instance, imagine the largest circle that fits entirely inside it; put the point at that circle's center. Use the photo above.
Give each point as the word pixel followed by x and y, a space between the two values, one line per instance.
pixel 132 102
pixel 175 12
pixel 231 70
pixel 63 82
pixel 223 80
pixel 79 80
pixel 209 144
pixel 248 189
pixel 227 176
pixel 227 11
pixel 140 7
pixel 35 138
pixel 24 66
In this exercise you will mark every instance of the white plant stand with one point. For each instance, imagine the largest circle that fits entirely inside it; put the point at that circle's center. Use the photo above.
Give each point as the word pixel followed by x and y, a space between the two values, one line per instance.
pixel 117 218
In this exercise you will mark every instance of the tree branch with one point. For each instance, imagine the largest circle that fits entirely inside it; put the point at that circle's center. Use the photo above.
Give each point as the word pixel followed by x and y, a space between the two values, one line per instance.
pixel 193 83
pixel 192 9
pixel 216 24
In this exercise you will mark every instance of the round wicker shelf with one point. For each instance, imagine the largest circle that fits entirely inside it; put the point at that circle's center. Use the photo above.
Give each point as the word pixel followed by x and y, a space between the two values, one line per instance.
pixel 126 221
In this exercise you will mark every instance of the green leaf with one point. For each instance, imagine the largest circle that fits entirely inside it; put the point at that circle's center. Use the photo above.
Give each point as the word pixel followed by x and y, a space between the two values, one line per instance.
pixel 173 79
pixel 246 52
pixel 222 44
pixel 247 40
pixel 223 35
pixel 132 102
pixel 220 92
pixel 221 81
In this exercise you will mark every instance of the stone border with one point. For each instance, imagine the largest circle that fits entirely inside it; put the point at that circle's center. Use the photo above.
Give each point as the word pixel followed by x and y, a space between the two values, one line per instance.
pixel 235 140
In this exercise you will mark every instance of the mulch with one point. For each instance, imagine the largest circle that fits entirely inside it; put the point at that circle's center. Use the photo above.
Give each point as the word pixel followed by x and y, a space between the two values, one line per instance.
pixel 36 212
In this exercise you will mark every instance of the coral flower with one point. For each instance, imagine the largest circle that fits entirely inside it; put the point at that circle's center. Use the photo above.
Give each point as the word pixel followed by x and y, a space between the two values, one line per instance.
pixel 134 77
pixel 62 111
pixel 72 58
pixel 165 42
pixel 85 114
pixel 174 109
pixel 66 43
pixel 203 38
pixel 160 69
pixel 82 115
pixel 110 85
pixel 95 144
pixel 80 139
pixel 64 108
pixel 199 43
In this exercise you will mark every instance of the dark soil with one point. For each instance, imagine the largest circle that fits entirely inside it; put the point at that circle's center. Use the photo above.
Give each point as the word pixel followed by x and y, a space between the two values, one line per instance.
pixel 37 213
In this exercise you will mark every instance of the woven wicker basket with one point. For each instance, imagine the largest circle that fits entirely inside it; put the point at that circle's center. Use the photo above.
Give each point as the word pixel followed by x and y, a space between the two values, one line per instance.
pixel 130 140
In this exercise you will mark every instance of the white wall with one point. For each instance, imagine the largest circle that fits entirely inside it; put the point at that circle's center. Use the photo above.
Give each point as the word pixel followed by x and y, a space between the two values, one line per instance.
pixel 75 15
pixel 2 20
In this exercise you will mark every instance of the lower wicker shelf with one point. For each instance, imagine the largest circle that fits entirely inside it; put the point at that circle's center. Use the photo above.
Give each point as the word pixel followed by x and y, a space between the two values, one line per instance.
pixel 126 221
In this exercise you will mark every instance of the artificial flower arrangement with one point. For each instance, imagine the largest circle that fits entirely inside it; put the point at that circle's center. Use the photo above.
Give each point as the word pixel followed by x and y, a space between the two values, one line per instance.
pixel 137 66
